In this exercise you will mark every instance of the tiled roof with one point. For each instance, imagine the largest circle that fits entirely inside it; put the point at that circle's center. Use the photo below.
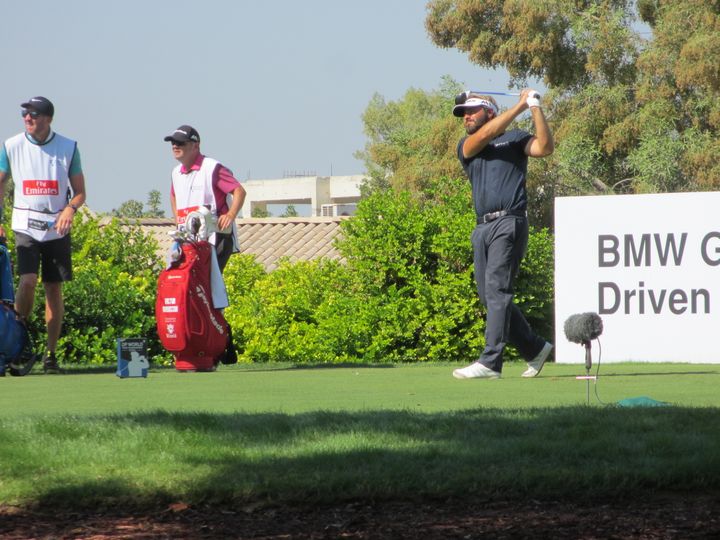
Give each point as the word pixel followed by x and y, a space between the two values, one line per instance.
pixel 269 239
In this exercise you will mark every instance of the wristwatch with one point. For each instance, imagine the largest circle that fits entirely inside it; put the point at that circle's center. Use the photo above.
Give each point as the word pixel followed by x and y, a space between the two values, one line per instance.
pixel 75 208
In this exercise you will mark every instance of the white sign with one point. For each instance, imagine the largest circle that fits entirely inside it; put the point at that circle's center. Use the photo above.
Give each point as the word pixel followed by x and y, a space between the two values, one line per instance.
pixel 649 265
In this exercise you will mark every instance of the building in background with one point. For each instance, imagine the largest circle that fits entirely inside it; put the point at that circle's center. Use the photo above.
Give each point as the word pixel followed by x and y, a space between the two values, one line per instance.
pixel 326 196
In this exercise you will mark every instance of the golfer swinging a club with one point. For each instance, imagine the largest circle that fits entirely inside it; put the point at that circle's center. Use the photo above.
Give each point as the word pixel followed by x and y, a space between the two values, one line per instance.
pixel 495 161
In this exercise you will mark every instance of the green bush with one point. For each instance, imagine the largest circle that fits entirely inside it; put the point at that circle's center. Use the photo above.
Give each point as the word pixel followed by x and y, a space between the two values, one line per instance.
pixel 534 287
pixel 111 295
pixel 414 256
pixel 103 302
pixel 125 245
pixel 289 314
pixel 405 294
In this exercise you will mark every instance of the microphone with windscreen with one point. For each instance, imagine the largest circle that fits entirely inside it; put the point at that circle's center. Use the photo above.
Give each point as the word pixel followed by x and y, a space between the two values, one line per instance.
pixel 583 328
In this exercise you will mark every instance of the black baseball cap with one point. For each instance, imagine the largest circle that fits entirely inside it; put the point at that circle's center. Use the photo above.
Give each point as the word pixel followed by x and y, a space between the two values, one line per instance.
pixel 40 104
pixel 184 134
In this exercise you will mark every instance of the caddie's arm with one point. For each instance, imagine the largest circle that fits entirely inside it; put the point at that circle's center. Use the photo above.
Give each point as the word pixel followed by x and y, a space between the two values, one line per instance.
pixel 475 143
pixel 238 199
pixel 65 219
pixel 542 143
pixel 3 180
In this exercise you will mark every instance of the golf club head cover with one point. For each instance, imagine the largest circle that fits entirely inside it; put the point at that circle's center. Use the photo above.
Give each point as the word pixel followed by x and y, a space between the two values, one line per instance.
pixel 202 223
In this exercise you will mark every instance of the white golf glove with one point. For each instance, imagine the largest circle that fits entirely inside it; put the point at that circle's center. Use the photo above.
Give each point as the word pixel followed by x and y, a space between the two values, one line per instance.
pixel 533 99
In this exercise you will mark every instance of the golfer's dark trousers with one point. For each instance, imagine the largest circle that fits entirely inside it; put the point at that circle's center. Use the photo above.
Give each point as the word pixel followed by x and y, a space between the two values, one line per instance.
pixel 499 247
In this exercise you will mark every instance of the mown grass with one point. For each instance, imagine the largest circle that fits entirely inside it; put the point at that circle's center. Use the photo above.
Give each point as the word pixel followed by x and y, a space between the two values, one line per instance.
pixel 319 435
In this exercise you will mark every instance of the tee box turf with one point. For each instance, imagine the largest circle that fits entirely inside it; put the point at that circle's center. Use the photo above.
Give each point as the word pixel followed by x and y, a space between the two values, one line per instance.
pixel 132 357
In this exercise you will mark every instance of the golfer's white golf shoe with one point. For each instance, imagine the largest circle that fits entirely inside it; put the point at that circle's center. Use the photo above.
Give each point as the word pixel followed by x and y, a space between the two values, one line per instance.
pixel 476 371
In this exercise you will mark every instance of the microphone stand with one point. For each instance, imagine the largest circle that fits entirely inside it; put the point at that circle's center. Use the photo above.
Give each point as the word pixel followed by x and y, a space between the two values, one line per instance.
pixel 588 366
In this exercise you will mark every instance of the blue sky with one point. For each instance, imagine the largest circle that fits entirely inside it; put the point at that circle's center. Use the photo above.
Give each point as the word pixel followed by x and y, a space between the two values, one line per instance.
pixel 271 86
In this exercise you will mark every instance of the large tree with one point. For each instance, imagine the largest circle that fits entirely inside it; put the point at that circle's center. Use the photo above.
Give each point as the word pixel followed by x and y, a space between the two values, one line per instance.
pixel 411 141
pixel 634 108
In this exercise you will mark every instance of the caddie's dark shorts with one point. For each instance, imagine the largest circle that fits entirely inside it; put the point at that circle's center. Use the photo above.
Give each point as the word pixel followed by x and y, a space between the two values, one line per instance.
pixel 55 255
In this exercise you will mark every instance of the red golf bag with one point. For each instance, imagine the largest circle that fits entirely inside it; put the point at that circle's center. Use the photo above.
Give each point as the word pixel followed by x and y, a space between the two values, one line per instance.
pixel 187 323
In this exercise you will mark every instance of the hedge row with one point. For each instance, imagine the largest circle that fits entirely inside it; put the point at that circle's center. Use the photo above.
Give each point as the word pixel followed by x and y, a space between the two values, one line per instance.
pixel 405 292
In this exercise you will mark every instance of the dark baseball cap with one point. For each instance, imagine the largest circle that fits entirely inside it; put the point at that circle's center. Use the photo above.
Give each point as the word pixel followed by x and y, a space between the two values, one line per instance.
pixel 184 134
pixel 40 104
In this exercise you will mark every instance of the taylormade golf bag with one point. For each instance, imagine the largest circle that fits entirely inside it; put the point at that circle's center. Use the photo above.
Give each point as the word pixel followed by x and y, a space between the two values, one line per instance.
pixel 187 323
pixel 16 348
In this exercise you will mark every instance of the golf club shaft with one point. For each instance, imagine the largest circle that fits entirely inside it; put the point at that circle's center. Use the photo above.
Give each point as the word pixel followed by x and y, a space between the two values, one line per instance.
pixel 495 93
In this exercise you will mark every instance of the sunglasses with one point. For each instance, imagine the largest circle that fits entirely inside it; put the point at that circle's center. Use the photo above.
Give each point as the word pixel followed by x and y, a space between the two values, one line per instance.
pixel 25 112
pixel 178 143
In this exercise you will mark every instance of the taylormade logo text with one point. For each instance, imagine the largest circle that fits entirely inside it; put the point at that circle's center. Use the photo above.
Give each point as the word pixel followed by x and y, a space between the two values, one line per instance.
pixel 201 294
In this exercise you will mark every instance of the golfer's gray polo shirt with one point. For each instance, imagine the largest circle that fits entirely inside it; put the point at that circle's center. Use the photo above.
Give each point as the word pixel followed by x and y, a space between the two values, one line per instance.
pixel 498 173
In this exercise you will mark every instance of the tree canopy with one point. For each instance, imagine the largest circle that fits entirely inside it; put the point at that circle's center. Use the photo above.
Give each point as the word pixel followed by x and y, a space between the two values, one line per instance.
pixel 634 108
pixel 632 95
pixel 134 209
pixel 412 141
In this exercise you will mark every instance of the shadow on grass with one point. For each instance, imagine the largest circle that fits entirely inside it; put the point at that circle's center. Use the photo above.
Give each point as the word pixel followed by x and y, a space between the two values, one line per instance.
pixel 297 367
pixel 321 457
